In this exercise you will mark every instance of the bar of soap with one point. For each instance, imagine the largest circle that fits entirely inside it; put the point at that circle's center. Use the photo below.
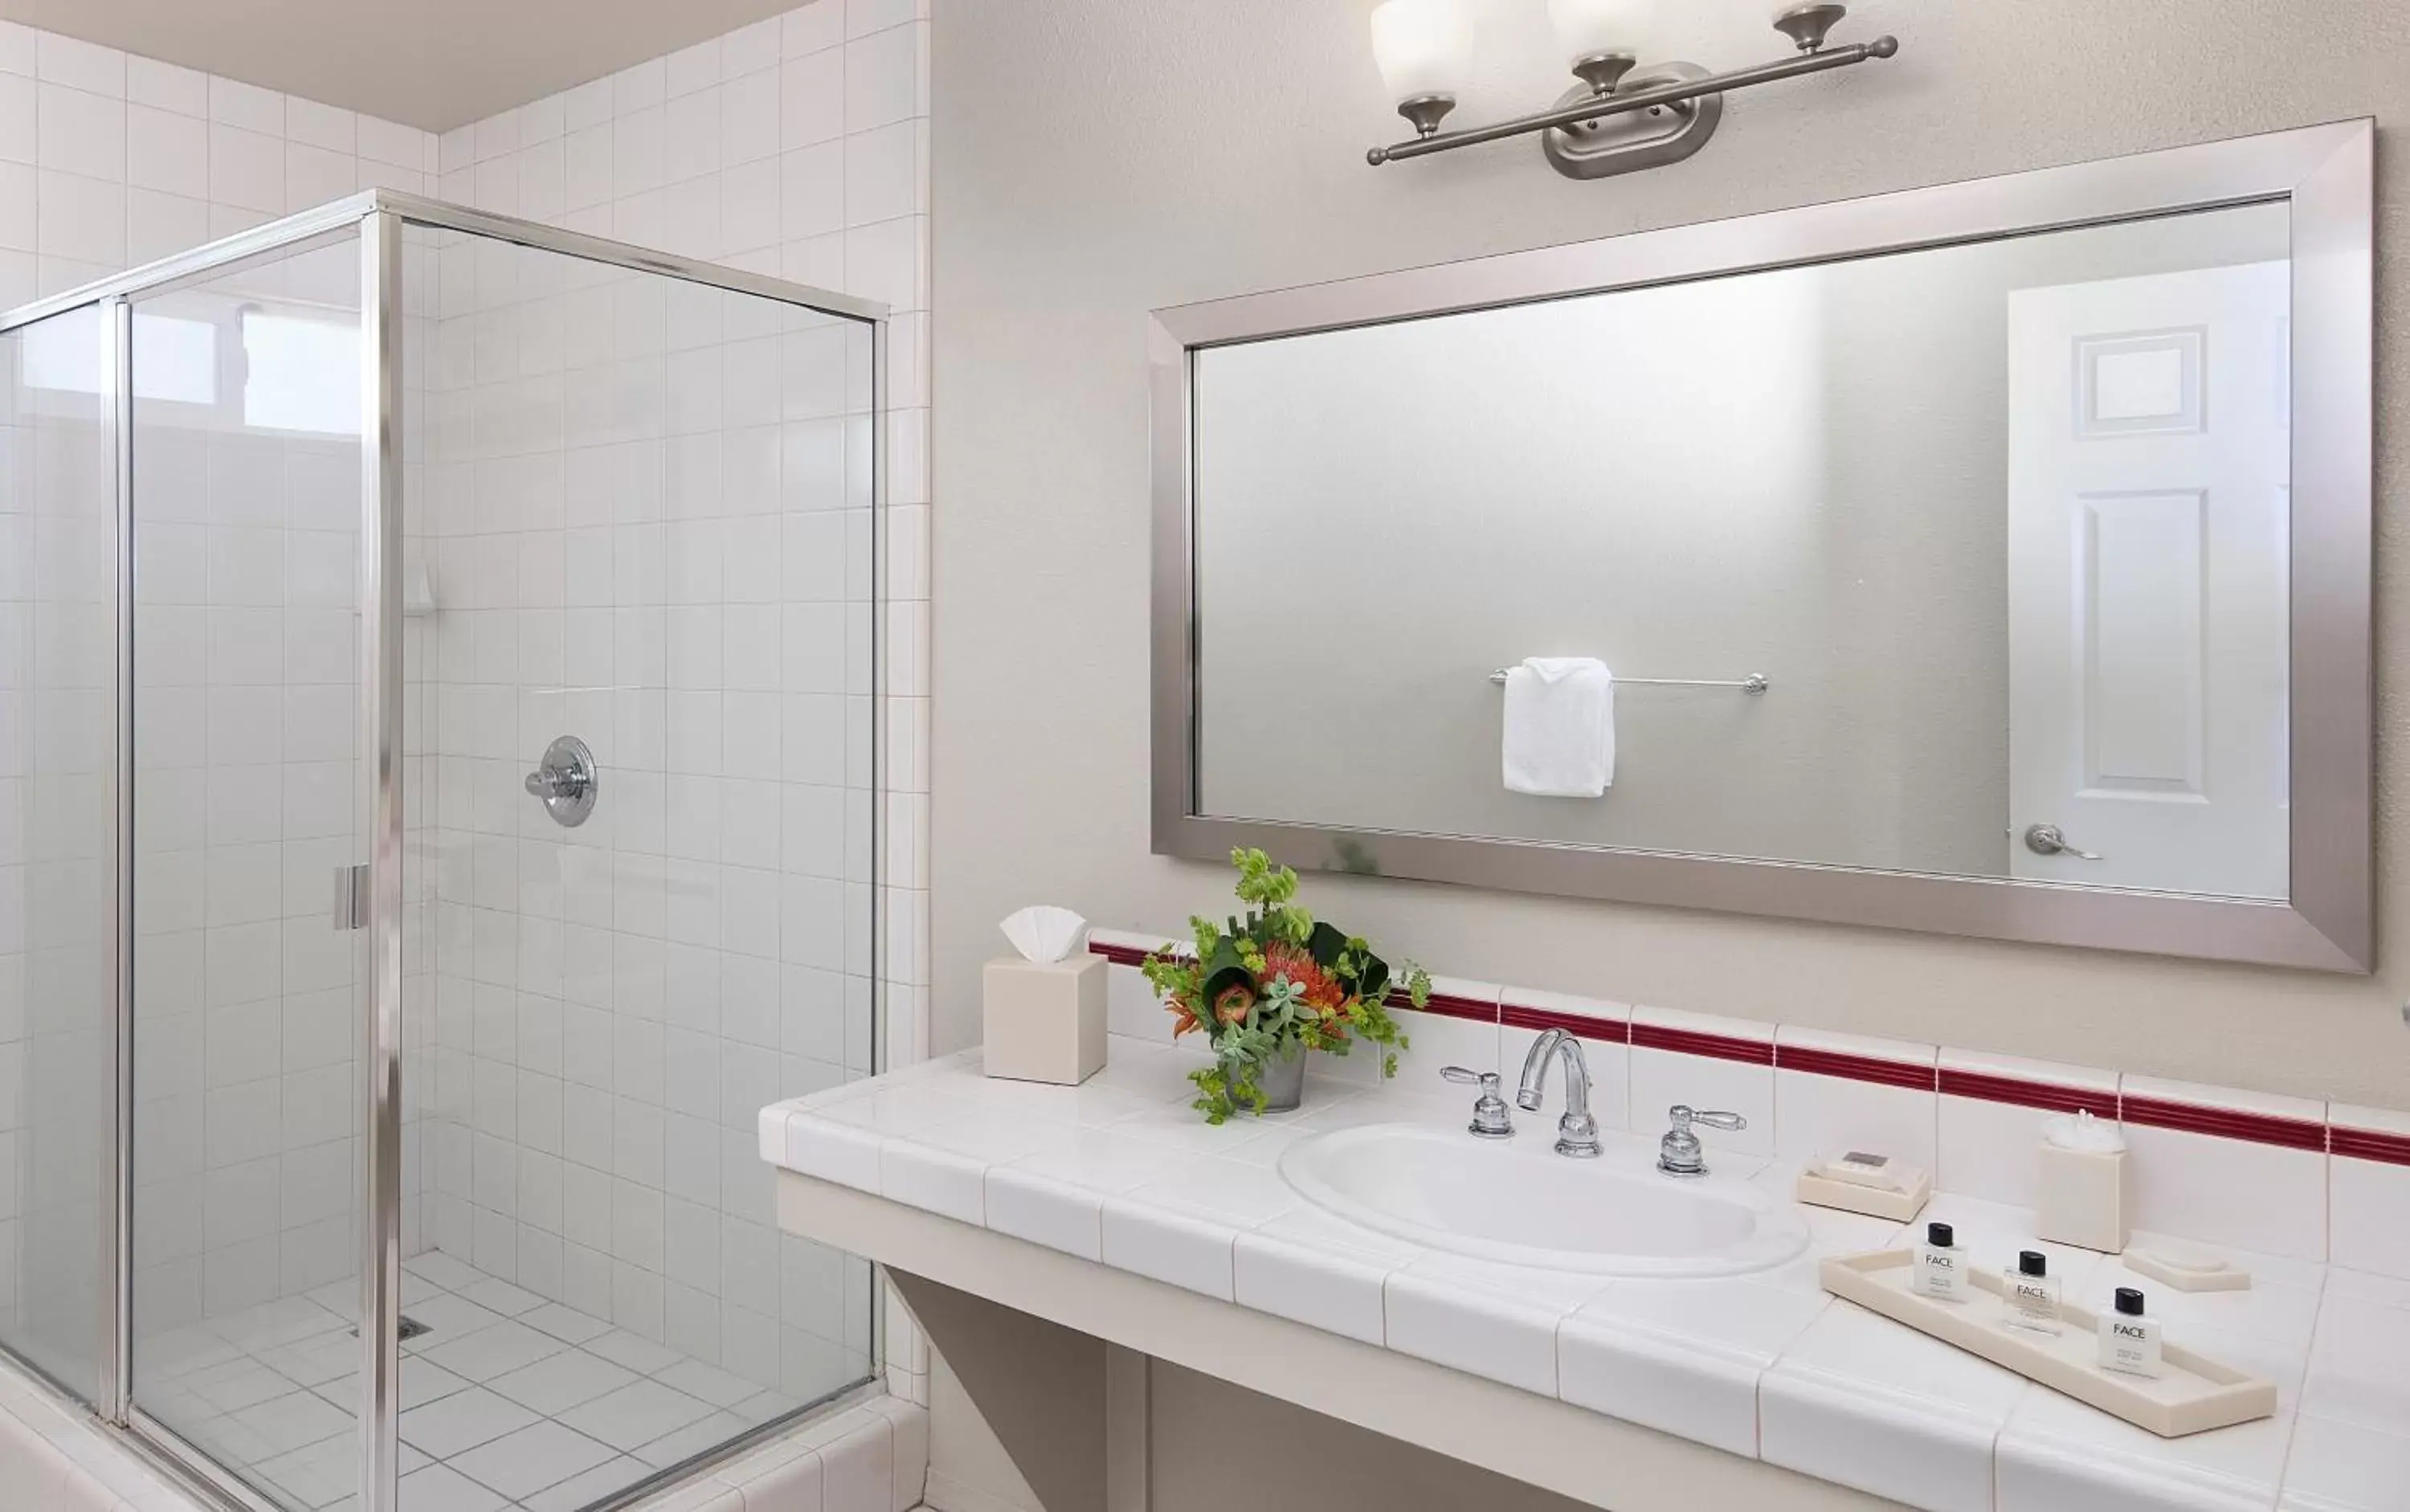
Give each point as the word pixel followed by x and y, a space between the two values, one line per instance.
pixel 1861 1168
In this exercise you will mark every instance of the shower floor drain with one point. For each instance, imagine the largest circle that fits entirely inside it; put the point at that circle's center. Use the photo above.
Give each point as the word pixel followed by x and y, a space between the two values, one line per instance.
pixel 411 1328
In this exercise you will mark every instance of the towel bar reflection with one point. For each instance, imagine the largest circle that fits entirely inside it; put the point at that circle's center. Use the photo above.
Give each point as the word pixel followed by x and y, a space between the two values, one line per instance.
pixel 1754 685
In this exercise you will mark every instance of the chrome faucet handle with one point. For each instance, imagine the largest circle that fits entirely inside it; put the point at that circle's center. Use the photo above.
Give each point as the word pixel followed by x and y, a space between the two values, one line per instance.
pixel 1684 1117
pixel 1491 1118
pixel 1680 1153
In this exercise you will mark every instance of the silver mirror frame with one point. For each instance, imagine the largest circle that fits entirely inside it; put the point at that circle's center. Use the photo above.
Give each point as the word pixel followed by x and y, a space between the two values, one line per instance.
pixel 2325 173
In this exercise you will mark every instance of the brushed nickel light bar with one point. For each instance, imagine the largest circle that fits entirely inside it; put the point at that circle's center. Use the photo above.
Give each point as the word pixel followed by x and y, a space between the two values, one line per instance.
pixel 1617 120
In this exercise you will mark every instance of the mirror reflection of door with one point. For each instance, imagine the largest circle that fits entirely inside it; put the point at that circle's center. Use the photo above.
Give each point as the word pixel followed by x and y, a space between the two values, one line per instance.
pixel 2148 517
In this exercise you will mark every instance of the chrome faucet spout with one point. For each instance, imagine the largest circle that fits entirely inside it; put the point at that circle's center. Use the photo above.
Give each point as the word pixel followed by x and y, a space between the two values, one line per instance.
pixel 1576 1131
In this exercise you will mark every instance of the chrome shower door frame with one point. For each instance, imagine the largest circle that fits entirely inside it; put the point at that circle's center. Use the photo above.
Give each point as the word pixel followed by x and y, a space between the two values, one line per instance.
pixel 378 217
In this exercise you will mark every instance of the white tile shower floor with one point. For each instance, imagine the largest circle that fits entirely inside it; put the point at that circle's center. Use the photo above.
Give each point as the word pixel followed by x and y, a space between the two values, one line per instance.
pixel 508 1401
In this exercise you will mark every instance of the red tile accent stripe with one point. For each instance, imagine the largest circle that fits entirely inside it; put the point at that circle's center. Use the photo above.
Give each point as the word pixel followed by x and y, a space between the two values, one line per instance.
pixel 1448 1006
pixel 2228 1122
pixel 1606 1031
pixel 2192 1118
pixel 2049 1095
pixel 1854 1068
pixel 1691 1042
pixel 2370 1144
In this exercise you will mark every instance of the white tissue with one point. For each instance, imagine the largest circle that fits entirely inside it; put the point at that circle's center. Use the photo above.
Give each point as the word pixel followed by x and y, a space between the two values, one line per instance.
pixel 2083 1133
pixel 1044 934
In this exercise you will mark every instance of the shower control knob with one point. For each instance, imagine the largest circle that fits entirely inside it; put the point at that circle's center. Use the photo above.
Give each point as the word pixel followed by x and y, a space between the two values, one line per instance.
pixel 565 781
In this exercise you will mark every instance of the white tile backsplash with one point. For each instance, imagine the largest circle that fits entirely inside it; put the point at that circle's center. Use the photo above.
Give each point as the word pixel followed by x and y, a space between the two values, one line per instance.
pixel 1661 1078
pixel 1819 1115
pixel 2254 1196
pixel 2370 1221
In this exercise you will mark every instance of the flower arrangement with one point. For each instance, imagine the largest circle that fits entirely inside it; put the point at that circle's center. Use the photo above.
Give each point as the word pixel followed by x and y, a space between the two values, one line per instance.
pixel 1275 984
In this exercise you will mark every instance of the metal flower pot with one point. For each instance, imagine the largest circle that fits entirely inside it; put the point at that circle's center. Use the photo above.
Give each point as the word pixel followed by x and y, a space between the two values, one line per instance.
pixel 1283 1078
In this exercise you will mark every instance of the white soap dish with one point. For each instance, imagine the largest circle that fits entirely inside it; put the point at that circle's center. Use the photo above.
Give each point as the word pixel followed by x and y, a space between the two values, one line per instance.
pixel 1898 1204
pixel 2186 1269
pixel 2196 1394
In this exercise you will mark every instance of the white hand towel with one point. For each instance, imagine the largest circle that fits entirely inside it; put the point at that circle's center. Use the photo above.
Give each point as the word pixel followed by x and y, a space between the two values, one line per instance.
pixel 1559 736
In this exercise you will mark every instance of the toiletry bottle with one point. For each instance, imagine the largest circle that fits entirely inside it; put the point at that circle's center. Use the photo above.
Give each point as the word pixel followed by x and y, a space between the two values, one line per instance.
pixel 2032 1294
pixel 2129 1341
pixel 1940 1265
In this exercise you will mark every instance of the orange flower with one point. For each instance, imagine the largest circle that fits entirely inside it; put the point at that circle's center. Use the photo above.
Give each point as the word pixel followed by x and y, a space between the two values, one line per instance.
pixel 1232 1005
pixel 1318 986
pixel 1184 1014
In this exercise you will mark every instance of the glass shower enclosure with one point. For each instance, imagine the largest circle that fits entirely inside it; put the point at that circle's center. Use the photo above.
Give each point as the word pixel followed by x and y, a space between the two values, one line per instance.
pixel 438 666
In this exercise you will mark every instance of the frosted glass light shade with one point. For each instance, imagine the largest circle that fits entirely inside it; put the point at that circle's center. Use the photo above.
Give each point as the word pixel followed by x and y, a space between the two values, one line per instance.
pixel 1588 27
pixel 1419 45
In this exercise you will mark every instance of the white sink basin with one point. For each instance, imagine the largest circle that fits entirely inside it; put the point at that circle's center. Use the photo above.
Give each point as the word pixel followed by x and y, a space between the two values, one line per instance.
pixel 1521 1204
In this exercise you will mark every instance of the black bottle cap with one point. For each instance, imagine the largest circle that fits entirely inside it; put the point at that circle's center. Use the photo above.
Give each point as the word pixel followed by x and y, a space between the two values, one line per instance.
pixel 2130 1301
pixel 1941 1235
pixel 2032 1262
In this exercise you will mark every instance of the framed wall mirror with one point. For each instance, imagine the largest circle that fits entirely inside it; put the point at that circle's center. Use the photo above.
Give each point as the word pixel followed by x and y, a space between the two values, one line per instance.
pixel 1990 558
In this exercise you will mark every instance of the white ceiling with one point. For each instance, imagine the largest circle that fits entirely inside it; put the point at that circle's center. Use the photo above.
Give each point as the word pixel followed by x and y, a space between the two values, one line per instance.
pixel 431 64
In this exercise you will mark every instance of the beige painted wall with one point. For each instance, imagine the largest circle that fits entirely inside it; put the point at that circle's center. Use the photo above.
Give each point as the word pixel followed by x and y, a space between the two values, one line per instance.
pixel 1095 159
pixel 1212 1445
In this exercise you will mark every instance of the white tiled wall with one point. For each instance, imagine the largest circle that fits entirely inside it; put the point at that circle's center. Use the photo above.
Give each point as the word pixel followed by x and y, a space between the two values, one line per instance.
pixel 108 160
pixel 655 497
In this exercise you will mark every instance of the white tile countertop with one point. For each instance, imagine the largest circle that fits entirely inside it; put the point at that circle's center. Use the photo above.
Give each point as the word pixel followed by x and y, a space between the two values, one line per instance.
pixel 1123 1173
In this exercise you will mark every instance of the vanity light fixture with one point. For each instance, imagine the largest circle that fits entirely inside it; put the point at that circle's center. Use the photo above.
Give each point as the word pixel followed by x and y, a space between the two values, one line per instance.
pixel 1621 116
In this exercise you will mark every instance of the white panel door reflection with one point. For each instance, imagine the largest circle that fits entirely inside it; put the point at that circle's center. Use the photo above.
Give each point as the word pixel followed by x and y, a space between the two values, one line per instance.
pixel 2148 518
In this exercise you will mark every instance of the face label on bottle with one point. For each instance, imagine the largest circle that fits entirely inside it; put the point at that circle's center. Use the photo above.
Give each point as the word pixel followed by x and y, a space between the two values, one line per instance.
pixel 1937 1274
pixel 2034 1294
pixel 2130 1331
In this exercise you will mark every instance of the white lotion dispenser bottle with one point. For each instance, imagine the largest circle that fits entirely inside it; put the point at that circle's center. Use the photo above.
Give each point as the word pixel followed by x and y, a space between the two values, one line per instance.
pixel 1940 1265
pixel 2130 1342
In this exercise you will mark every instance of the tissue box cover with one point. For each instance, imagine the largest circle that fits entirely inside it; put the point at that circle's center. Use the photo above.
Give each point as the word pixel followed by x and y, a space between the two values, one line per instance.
pixel 1045 1021
pixel 2079 1199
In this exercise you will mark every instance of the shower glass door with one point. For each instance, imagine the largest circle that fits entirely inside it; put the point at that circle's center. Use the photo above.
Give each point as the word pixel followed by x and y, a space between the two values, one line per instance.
pixel 248 997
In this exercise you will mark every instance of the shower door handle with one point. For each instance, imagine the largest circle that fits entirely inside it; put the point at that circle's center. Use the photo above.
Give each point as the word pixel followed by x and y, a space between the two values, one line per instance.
pixel 351 898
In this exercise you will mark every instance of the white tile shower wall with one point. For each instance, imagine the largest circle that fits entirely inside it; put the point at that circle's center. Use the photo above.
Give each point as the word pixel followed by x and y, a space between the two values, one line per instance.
pixel 616 1002
pixel 108 160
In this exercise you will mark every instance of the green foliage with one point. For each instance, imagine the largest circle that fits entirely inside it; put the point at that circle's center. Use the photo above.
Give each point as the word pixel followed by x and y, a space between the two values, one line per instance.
pixel 1276 982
